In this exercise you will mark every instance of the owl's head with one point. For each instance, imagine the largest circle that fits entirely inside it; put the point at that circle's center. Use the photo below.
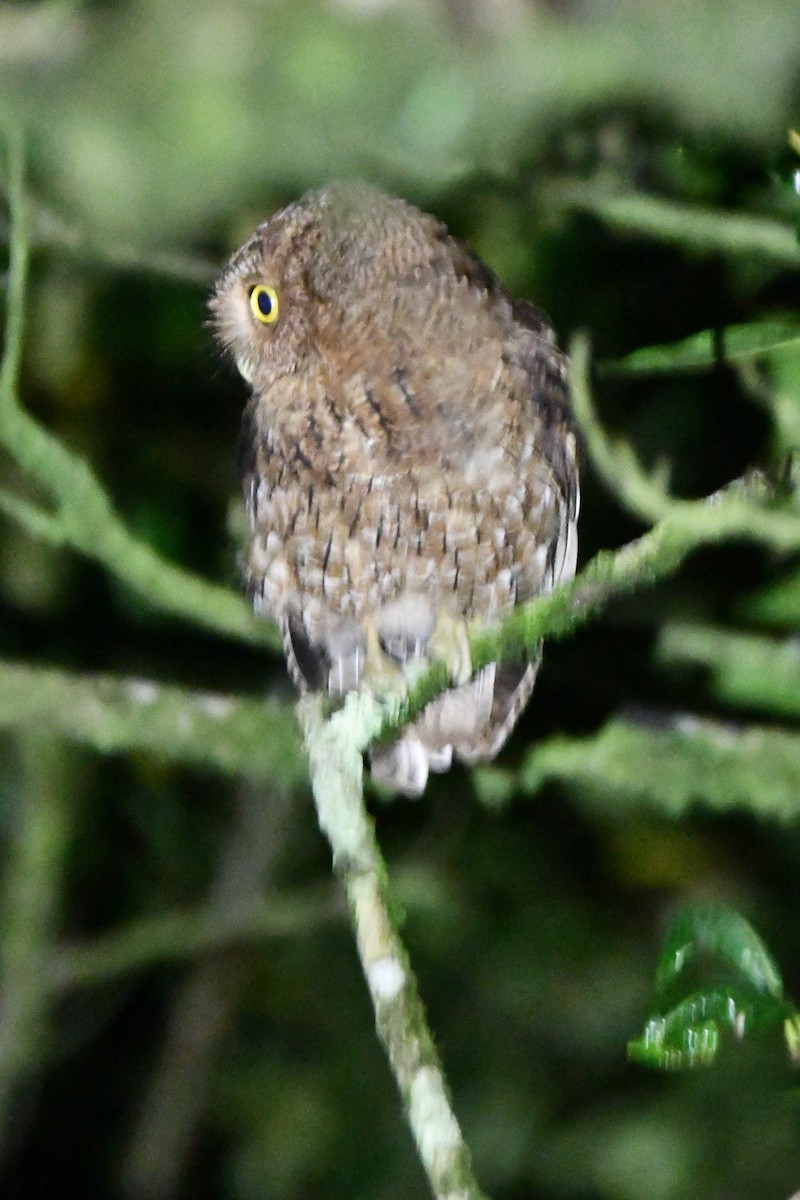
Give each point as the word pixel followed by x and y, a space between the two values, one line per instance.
pixel 316 275
pixel 259 308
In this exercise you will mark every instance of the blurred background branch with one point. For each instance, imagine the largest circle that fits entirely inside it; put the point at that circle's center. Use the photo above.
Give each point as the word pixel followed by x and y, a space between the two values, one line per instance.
pixel 255 737
pixel 31 909
pixel 84 517
pixel 694 230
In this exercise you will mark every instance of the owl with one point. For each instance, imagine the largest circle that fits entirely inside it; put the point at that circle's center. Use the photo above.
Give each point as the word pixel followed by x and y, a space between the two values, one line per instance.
pixel 408 465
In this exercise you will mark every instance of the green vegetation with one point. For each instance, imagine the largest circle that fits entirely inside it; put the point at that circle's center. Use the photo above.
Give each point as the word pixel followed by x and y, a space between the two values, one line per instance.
pixel 746 997
pixel 182 1013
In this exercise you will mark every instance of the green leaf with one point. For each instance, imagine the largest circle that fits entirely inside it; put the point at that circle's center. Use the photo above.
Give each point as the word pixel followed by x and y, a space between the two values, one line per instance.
pixel 745 994
pixel 713 929
pixel 702 351
pixel 691 1034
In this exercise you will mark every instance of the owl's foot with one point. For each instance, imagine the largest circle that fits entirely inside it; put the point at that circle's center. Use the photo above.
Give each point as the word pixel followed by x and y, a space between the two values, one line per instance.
pixel 387 651
pixel 402 766
pixel 382 674
pixel 397 639
pixel 449 644
pixel 345 655
pixel 413 635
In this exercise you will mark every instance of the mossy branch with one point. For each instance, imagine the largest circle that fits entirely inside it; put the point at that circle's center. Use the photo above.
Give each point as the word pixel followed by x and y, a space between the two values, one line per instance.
pixel 257 739
pixel 78 512
pixel 335 752
pixel 668 762
pixel 748 671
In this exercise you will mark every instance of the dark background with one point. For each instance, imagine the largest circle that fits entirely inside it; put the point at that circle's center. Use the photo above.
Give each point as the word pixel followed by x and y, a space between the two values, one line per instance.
pixel 533 912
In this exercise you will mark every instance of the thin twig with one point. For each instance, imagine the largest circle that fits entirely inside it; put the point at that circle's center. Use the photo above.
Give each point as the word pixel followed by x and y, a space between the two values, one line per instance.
pixel 32 885
pixel 49 229
pixel 183 936
pixel 17 272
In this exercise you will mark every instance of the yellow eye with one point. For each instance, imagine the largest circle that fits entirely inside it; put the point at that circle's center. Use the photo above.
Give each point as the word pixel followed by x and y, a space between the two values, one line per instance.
pixel 264 303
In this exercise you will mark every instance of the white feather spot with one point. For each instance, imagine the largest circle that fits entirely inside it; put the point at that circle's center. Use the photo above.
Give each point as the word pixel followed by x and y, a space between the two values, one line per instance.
pixel 278 572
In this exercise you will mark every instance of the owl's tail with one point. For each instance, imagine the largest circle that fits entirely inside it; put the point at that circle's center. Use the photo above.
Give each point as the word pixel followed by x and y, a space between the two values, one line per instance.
pixel 470 723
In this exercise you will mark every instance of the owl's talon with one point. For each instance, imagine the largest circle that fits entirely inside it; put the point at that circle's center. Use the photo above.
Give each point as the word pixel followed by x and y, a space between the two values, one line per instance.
pixel 346 652
pixel 401 649
pixel 404 628
pixel 381 674
pixel 449 644
pixel 409 634
pixel 403 766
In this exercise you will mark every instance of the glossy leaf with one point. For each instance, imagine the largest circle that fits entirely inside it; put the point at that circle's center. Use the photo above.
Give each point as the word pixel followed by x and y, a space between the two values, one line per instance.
pixel 744 993
pixel 714 930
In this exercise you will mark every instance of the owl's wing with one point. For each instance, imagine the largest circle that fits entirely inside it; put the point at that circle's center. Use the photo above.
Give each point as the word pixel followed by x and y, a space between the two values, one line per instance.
pixel 472 721
pixel 334 665
pixel 548 388
pixel 512 682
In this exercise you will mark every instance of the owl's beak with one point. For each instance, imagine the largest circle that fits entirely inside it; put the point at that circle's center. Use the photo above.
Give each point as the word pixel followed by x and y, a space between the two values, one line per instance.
pixel 246 368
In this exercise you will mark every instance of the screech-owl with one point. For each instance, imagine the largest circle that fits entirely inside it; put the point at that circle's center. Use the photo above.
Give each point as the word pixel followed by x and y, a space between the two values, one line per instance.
pixel 408 464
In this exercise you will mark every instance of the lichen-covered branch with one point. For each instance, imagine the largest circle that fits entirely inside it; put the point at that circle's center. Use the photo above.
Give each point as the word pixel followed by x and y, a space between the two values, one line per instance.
pixel 334 748
pixel 252 737
pixel 671 761
pixel 257 738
